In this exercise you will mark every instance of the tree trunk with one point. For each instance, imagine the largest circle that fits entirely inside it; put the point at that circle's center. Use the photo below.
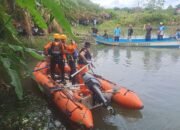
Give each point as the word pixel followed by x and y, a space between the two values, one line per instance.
pixel 54 26
pixel 27 23
pixel 10 5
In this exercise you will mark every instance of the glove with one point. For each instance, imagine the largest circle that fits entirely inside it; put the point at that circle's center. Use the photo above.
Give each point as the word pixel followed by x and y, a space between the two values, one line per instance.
pixel 88 62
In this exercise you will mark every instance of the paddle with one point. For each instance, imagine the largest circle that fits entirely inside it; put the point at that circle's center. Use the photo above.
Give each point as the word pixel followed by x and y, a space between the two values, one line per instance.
pixel 79 70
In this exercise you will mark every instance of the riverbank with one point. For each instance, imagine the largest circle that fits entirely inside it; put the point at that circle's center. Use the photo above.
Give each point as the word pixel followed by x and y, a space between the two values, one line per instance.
pixel 31 113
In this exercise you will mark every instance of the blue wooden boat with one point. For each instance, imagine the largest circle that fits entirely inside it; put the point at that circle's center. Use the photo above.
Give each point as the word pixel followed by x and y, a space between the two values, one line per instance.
pixel 164 43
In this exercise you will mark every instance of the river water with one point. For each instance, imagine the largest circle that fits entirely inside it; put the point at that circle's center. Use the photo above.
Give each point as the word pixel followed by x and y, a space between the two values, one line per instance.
pixel 153 74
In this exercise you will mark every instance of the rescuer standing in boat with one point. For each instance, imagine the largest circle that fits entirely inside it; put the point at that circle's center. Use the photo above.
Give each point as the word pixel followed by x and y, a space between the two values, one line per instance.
pixel 117 33
pixel 72 55
pixel 161 31
pixel 55 50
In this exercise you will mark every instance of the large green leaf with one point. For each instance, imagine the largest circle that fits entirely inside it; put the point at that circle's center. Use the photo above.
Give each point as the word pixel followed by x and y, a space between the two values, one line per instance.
pixel 14 76
pixel 34 54
pixel 16 47
pixel 7 30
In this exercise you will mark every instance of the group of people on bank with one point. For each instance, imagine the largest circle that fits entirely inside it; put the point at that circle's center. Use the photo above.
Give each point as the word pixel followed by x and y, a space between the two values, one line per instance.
pixel 60 54
pixel 147 27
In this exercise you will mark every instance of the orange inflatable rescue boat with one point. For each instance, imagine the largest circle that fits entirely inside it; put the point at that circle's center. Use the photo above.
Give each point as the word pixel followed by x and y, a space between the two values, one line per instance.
pixel 77 104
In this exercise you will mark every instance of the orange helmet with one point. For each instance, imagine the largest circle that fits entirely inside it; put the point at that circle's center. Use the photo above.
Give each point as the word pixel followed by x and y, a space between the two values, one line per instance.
pixel 57 36
pixel 63 37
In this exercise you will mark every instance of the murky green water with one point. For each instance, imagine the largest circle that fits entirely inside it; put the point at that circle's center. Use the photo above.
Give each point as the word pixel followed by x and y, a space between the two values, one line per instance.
pixel 154 74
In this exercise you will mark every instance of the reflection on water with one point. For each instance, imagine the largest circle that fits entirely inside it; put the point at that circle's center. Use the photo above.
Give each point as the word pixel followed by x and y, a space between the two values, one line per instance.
pixel 116 55
pixel 152 58
pixel 153 74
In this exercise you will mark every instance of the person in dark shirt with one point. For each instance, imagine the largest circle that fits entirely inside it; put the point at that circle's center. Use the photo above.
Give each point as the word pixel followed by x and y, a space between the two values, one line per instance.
pixel 148 29
pixel 94 30
pixel 105 34
pixel 130 32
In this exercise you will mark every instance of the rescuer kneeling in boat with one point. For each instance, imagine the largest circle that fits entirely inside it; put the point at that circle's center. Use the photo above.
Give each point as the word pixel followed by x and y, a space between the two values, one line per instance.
pixel 55 50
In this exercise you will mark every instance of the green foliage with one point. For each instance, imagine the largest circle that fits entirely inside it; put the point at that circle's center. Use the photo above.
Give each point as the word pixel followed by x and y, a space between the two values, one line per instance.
pixel 7 31
pixel 139 17
pixel 154 18
pixel 7 59
pixel 12 54
pixel 13 74
pixel 34 54
pixel 30 5
pixel 178 6
pixel 11 59
pixel 56 10
pixel 154 4
pixel 12 64
pixel 74 9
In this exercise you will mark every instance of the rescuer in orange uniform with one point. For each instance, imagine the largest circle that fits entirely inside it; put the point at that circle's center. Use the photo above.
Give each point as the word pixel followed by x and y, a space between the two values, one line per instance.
pixel 71 56
pixel 56 51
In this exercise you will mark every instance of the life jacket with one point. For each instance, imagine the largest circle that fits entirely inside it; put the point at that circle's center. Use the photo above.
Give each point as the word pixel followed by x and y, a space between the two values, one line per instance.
pixel 87 56
pixel 72 50
pixel 47 48
pixel 56 50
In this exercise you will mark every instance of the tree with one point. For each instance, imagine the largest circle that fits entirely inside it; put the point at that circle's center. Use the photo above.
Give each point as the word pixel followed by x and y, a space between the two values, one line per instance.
pixel 154 4
pixel 178 6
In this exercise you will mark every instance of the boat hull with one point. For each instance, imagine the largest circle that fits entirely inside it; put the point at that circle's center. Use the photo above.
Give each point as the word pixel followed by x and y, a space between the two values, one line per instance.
pixel 154 43
pixel 121 95
pixel 77 104
pixel 63 99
